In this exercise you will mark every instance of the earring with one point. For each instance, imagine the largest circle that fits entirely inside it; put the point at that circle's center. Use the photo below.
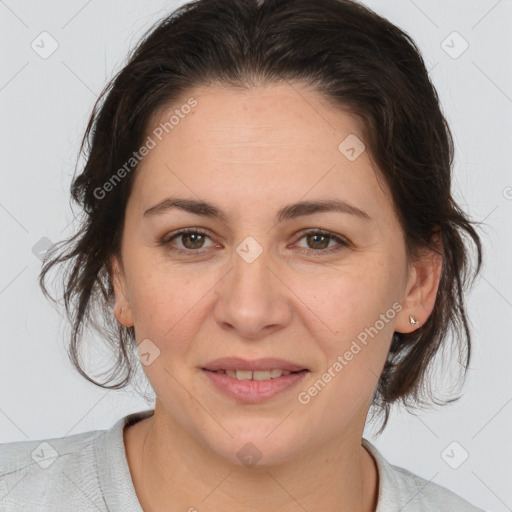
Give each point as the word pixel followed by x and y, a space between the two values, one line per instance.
pixel 413 320
pixel 120 310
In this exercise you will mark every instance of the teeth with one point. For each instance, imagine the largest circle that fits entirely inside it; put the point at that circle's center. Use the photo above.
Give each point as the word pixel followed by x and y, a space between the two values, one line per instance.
pixel 261 375
pixel 256 375
pixel 243 375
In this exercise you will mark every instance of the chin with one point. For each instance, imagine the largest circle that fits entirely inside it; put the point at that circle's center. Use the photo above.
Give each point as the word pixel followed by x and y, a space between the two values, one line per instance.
pixel 252 446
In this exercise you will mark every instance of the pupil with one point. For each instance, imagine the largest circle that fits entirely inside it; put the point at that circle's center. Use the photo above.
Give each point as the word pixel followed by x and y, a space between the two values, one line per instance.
pixel 196 239
pixel 324 237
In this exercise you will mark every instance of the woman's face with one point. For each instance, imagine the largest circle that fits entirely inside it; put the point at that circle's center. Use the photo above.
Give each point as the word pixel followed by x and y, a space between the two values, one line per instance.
pixel 258 280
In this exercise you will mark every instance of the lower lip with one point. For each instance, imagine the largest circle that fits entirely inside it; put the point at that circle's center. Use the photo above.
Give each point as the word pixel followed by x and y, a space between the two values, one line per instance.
pixel 254 391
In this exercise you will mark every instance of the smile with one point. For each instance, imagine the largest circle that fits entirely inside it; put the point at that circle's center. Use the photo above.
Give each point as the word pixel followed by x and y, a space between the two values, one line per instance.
pixel 256 375
pixel 253 386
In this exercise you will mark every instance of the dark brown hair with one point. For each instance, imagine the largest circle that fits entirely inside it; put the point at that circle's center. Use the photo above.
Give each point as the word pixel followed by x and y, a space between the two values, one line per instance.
pixel 356 59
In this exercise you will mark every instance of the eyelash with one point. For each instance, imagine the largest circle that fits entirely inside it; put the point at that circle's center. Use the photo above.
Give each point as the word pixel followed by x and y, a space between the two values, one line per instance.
pixel 198 252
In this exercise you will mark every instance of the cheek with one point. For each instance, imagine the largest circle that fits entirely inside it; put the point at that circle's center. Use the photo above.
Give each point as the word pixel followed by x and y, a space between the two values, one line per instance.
pixel 351 321
pixel 346 300
pixel 168 308
pixel 351 318
pixel 167 302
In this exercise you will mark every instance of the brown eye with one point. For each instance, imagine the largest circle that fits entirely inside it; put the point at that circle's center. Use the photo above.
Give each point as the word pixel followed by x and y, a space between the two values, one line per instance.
pixel 188 241
pixel 192 240
pixel 320 242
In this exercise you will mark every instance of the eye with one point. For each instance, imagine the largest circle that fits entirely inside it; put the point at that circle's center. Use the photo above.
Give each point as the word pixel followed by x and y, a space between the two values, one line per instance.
pixel 319 242
pixel 192 240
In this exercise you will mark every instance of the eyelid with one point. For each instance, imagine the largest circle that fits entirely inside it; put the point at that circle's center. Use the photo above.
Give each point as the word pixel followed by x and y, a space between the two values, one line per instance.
pixel 320 231
pixel 342 242
pixel 176 234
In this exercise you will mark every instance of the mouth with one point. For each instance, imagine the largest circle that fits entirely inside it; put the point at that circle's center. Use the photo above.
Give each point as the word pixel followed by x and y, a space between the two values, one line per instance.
pixel 253 381
pixel 254 365
pixel 259 375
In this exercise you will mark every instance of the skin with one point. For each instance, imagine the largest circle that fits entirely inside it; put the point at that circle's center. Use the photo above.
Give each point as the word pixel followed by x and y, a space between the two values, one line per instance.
pixel 251 152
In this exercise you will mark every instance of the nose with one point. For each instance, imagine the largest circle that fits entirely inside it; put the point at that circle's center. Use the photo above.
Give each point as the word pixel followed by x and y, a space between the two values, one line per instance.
pixel 253 301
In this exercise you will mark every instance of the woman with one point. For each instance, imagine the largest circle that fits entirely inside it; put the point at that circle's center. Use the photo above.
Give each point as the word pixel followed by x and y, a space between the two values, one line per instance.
pixel 268 219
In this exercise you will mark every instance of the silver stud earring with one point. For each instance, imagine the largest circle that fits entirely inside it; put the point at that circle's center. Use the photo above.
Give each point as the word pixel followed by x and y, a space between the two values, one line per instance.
pixel 413 320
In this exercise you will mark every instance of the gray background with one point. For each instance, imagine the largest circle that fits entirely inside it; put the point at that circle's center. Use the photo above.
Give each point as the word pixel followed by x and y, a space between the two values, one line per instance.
pixel 45 103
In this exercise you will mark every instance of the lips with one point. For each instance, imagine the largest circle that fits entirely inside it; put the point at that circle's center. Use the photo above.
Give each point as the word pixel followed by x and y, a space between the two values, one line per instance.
pixel 253 387
pixel 262 364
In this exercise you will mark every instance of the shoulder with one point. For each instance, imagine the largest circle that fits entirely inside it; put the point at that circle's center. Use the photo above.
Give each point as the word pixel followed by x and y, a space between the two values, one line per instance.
pixel 58 473
pixel 82 472
pixel 398 486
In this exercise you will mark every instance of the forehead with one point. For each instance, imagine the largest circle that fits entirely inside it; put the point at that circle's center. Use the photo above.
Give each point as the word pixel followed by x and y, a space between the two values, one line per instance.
pixel 278 142
pixel 266 118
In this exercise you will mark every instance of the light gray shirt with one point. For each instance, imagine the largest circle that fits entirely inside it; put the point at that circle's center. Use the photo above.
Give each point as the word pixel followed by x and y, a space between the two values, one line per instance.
pixel 89 472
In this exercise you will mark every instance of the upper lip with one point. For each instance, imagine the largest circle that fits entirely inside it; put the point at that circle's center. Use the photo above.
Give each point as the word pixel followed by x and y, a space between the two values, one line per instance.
pixel 263 364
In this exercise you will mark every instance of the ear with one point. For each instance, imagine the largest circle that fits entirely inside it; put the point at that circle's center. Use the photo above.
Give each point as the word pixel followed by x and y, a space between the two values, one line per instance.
pixel 421 290
pixel 122 309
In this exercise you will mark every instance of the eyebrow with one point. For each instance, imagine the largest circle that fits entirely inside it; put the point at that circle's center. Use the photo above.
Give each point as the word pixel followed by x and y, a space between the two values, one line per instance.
pixel 288 212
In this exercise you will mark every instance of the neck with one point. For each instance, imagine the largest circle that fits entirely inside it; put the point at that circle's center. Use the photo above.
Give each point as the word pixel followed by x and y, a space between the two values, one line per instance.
pixel 172 471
